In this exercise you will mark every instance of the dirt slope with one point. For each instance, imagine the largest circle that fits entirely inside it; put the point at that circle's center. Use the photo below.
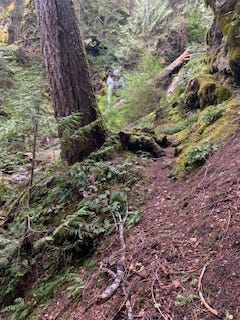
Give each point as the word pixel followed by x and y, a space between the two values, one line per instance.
pixel 186 227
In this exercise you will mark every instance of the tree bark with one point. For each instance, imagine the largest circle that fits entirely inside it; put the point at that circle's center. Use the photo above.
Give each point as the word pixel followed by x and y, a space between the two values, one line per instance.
pixel 81 129
pixel 16 18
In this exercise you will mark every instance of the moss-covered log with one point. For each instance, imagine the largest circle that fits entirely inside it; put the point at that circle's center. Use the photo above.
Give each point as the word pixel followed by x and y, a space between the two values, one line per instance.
pixel 144 142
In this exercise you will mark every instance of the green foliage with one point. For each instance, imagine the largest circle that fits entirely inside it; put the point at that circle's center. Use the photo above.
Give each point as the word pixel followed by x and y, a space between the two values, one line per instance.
pixel 198 19
pixel 17 310
pixel 82 203
pixel 182 125
pixel 24 104
pixel 43 292
pixel 141 94
pixel 197 156
pixel 77 286
pixel 183 299
pixel 6 76
pixel 210 115
pixel 148 18
pixel 13 265
pixel 76 228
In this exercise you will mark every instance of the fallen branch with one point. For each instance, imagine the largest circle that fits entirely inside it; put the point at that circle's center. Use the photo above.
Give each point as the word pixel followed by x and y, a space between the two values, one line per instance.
pixel 111 289
pixel 164 78
pixel 119 275
pixel 116 315
pixel 200 293
pixel 127 303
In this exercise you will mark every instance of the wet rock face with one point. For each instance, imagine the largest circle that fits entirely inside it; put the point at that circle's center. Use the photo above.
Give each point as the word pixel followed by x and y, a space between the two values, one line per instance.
pixel 223 39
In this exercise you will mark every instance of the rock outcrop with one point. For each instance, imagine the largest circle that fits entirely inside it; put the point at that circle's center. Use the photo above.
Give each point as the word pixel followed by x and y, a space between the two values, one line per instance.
pixel 223 39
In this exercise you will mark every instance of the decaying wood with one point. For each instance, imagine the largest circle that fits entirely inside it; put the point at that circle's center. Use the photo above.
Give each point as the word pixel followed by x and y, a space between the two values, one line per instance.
pixel 200 293
pixel 144 142
pixel 164 78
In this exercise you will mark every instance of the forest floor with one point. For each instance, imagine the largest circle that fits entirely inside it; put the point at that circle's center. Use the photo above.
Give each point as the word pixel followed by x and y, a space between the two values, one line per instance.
pixel 188 240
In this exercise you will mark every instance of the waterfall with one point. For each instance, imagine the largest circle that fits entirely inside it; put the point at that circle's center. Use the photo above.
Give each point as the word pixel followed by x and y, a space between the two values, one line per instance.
pixel 110 84
pixel 115 80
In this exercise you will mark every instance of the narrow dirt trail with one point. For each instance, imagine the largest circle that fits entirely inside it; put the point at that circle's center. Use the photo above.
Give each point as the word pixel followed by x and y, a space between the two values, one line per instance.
pixel 186 226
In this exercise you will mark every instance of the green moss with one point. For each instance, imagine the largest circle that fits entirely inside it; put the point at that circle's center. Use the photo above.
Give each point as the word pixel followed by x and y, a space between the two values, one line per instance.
pixel 209 116
pixel 206 93
pixel 223 93
pixel 214 124
pixel 224 21
pixel 232 34
pixel 3 36
pixel 227 7
pixel 228 17
pixel 177 114
pixel 234 60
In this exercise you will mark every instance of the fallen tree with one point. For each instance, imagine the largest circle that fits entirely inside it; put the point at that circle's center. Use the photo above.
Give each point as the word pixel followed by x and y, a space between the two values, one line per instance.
pixel 164 78
pixel 144 142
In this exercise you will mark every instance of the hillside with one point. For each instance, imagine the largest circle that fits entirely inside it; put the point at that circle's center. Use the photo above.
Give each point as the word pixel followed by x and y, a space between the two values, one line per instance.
pixel 147 225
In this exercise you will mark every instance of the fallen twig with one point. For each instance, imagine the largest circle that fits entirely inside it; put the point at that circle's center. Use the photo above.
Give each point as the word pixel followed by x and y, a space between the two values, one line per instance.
pixel 127 303
pixel 228 224
pixel 200 293
pixel 111 289
pixel 116 315
pixel 119 275
pixel 156 305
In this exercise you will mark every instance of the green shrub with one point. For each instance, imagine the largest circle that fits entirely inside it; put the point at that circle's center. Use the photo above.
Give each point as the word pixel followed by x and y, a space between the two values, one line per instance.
pixel 197 156
pixel 210 115
pixel 182 125
pixel 141 94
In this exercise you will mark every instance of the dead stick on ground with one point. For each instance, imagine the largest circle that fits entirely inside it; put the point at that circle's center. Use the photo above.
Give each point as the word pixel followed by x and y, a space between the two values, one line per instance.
pixel 128 303
pixel 156 305
pixel 110 290
pixel 206 305
pixel 228 224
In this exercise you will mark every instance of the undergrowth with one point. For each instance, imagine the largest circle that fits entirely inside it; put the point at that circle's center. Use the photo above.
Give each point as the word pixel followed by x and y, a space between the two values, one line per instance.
pixel 24 102
pixel 71 208
pixel 42 292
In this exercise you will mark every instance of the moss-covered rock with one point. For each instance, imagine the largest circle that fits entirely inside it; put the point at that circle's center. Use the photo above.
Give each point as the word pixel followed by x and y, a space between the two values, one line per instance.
pixel 223 93
pixel 224 39
pixel 204 91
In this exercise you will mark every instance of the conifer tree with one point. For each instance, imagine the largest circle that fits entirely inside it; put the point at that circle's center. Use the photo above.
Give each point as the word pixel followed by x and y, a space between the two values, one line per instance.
pixel 81 129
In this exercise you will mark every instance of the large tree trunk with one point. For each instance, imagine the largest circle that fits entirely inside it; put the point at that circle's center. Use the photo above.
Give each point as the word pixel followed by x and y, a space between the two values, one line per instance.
pixel 16 18
pixel 80 125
